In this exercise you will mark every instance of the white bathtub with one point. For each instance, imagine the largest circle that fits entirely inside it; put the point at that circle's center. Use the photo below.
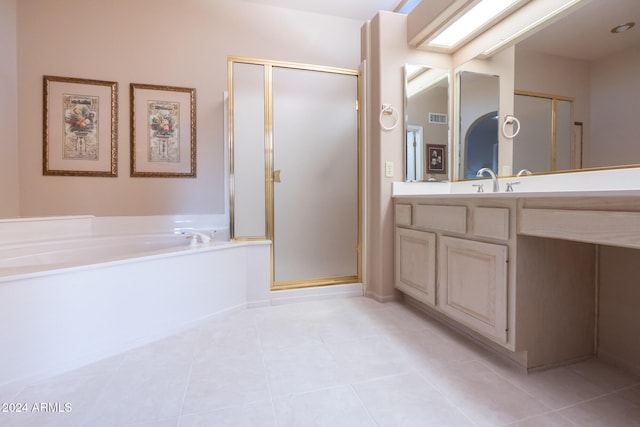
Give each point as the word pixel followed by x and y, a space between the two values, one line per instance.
pixel 65 253
pixel 78 297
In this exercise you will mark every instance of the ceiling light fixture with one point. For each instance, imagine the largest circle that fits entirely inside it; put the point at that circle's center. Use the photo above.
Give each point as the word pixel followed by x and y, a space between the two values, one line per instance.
pixel 622 28
pixel 471 21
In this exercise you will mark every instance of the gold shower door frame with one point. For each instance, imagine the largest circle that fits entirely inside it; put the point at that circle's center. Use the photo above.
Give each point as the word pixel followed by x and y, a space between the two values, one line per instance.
pixel 575 157
pixel 271 176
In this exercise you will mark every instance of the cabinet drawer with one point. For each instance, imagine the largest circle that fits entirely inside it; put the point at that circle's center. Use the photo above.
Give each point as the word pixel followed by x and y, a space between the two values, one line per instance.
pixel 491 222
pixel 445 218
pixel 403 214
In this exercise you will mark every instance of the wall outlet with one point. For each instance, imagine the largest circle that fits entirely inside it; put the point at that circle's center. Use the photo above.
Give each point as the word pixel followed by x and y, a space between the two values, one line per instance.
pixel 388 169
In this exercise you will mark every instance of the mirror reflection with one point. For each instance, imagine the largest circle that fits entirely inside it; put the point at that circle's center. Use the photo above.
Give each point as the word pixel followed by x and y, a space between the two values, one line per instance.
pixel 426 123
pixel 479 102
pixel 546 142
pixel 577 87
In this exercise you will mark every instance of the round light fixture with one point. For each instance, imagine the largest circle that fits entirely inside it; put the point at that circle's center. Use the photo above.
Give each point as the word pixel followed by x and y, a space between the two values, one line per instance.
pixel 622 28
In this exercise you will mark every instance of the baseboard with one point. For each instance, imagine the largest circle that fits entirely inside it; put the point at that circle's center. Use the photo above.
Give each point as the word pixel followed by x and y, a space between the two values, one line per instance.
pixel 290 296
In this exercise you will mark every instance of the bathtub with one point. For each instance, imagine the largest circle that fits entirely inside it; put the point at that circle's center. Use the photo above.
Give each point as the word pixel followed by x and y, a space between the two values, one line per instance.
pixel 75 290
pixel 63 253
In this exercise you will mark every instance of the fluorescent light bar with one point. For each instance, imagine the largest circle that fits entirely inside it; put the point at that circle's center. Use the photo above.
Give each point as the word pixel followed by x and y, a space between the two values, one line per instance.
pixel 471 21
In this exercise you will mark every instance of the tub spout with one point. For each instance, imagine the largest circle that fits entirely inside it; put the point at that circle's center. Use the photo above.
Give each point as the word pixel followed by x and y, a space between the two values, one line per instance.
pixel 197 236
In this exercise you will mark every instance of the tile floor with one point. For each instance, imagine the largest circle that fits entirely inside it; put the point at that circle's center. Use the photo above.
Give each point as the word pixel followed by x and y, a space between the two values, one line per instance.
pixel 339 362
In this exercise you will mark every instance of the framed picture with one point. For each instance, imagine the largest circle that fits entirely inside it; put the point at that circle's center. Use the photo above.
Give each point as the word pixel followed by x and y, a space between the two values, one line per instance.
pixel 80 122
pixel 436 160
pixel 163 131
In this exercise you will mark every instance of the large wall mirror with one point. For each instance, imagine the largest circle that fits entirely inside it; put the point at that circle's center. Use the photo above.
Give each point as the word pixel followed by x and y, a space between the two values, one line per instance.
pixel 478 121
pixel 426 123
pixel 576 94
pixel 577 85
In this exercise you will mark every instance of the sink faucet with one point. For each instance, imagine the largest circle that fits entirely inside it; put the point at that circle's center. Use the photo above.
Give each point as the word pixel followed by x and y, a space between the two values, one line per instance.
pixel 494 178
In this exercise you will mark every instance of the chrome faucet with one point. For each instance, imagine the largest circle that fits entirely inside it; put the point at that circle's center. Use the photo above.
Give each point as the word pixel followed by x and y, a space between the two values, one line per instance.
pixel 195 236
pixel 494 178
pixel 524 172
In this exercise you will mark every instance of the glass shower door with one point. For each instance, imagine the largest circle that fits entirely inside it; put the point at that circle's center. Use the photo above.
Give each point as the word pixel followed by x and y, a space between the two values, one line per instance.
pixel 315 189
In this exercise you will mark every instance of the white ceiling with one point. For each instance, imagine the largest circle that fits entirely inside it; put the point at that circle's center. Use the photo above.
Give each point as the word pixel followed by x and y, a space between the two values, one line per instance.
pixel 361 10
pixel 586 33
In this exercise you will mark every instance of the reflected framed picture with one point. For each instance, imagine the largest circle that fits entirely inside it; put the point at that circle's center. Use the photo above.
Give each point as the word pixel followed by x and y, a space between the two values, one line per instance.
pixel 436 160
pixel 80 127
pixel 163 131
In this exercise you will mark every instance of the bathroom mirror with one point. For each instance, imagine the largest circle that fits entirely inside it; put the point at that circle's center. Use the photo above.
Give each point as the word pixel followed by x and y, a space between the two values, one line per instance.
pixel 426 123
pixel 582 83
pixel 478 123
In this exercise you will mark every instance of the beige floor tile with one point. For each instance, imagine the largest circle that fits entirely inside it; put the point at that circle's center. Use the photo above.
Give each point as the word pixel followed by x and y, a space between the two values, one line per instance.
pixel 302 369
pixel 217 385
pixel 556 388
pixel 548 420
pixel 368 358
pixel 257 414
pixel 608 377
pixel 348 361
pixel 332 407
pixel 620 409
pixel 408 400
pixel 484 396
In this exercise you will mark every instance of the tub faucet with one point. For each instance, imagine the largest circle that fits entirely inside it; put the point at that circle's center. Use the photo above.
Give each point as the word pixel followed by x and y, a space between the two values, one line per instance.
pixel 524 172
pixel 494 178
pixel 195 235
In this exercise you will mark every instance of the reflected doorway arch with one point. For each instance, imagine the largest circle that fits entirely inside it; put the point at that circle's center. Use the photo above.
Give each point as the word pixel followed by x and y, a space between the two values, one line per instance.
pixel 481 145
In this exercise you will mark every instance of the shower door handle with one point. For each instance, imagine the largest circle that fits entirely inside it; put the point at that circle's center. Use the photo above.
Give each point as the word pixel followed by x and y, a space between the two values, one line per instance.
pixel 276 176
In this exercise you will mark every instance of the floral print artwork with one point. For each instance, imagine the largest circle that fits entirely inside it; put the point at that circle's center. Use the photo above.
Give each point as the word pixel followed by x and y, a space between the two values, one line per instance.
pixel 164 137
pixel 80 127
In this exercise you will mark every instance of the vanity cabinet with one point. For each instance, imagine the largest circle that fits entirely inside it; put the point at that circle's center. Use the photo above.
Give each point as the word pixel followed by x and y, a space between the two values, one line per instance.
pixel 453 258
pixel 466 261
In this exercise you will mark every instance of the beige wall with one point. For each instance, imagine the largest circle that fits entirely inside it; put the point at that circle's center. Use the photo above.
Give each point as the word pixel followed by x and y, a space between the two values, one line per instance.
pixel 161 42
pixel 8 110
pixel 615 91
pixel 619 336
pixel 387 52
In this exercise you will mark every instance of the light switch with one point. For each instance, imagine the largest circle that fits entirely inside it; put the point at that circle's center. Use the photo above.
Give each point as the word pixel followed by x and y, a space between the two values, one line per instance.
pixel 388 169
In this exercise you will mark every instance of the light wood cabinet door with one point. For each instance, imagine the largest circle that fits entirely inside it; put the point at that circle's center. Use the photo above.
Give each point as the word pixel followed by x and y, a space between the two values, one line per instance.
pixel 472 285
pixel 416 264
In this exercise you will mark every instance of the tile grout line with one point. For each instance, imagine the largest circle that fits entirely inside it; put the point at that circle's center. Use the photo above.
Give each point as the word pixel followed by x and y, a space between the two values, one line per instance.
pixel 600 396
pixel 451 403
pixel 186 389
pixel 266 374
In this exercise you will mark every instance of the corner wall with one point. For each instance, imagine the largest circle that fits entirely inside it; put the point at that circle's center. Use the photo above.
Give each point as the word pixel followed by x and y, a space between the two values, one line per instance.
pixel 386 56
pixel 8 109
pixel 619 339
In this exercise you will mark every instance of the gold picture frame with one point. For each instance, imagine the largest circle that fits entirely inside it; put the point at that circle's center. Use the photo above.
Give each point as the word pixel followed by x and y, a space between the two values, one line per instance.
pixel 80 127
pixel 163 131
